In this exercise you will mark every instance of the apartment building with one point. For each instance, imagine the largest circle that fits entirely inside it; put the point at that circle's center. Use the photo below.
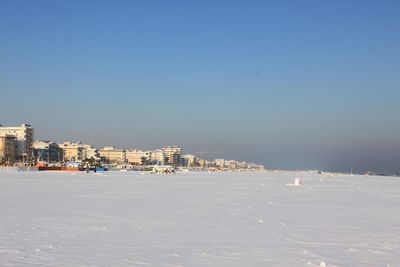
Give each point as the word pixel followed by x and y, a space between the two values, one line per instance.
pixel 90 152
pixel 47 151
pixel 139 157
pixel 172 155
pixel 157 157
pixel 110 154
pixel 72 151
pixel 8 148
pixel 24 140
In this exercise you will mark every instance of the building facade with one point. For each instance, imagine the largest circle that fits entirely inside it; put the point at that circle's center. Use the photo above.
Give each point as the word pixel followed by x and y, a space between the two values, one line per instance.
pixel 220 163
pixel 157 157
pixel 24 140
pixel 72 151
pixel 8 149
pixel 90 152
pixel 172 155
pixel 110 154
pixel 138 157
pixel 47 151
pixel 189 160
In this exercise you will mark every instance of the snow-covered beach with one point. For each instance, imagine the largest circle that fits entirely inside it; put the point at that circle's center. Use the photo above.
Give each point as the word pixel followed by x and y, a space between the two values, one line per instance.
pixel 198 219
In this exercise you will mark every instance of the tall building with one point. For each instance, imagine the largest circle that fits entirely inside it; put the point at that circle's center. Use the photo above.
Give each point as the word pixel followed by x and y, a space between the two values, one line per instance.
pixel 8 149
pixel 47 151
pixel 24 140
pixel 157 157
pixel 172 154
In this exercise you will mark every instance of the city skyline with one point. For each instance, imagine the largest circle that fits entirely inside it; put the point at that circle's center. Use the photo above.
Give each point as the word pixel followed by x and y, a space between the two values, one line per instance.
pixel 290 85
pixel 19 148
pixel 101 153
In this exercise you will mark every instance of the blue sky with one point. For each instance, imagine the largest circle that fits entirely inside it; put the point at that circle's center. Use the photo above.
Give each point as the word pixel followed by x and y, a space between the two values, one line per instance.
pixel 289 84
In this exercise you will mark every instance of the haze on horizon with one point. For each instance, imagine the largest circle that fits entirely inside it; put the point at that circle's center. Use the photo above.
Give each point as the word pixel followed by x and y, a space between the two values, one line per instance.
pixel 288 84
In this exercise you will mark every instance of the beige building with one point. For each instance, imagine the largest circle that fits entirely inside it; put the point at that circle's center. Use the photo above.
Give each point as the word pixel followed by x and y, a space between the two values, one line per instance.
pixel 24 140
pixel 136 156
pixel 232 164
pixel 72 151
pixel 158 157
pixel 220 163
pixel 111 154
pixel 202 162
pixel 8 148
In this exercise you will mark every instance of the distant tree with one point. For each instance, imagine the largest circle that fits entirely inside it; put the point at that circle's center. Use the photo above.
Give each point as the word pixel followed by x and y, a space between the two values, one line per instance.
pixel 90 163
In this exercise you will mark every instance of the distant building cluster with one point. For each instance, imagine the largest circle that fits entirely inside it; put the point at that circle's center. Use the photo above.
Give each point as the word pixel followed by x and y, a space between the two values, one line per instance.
pixel 18 146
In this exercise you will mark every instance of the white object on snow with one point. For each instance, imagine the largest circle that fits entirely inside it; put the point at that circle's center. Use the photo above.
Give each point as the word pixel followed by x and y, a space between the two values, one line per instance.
pixel 322 264
pixel 296 182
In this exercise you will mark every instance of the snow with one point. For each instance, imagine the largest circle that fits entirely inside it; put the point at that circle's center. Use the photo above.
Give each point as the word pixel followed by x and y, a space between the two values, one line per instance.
pixel 198 219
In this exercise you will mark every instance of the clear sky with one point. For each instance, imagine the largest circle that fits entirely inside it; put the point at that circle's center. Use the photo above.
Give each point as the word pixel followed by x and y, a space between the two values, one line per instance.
pixel 289 84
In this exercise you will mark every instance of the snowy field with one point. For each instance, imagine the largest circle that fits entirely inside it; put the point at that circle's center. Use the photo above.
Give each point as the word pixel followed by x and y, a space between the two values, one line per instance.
pixel 198 219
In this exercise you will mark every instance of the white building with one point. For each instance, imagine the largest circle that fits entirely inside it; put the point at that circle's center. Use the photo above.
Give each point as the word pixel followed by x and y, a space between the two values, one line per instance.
pixel 90 152
pixel 24 140
pixel 255 166
pixel 158 157
pixel 189 160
